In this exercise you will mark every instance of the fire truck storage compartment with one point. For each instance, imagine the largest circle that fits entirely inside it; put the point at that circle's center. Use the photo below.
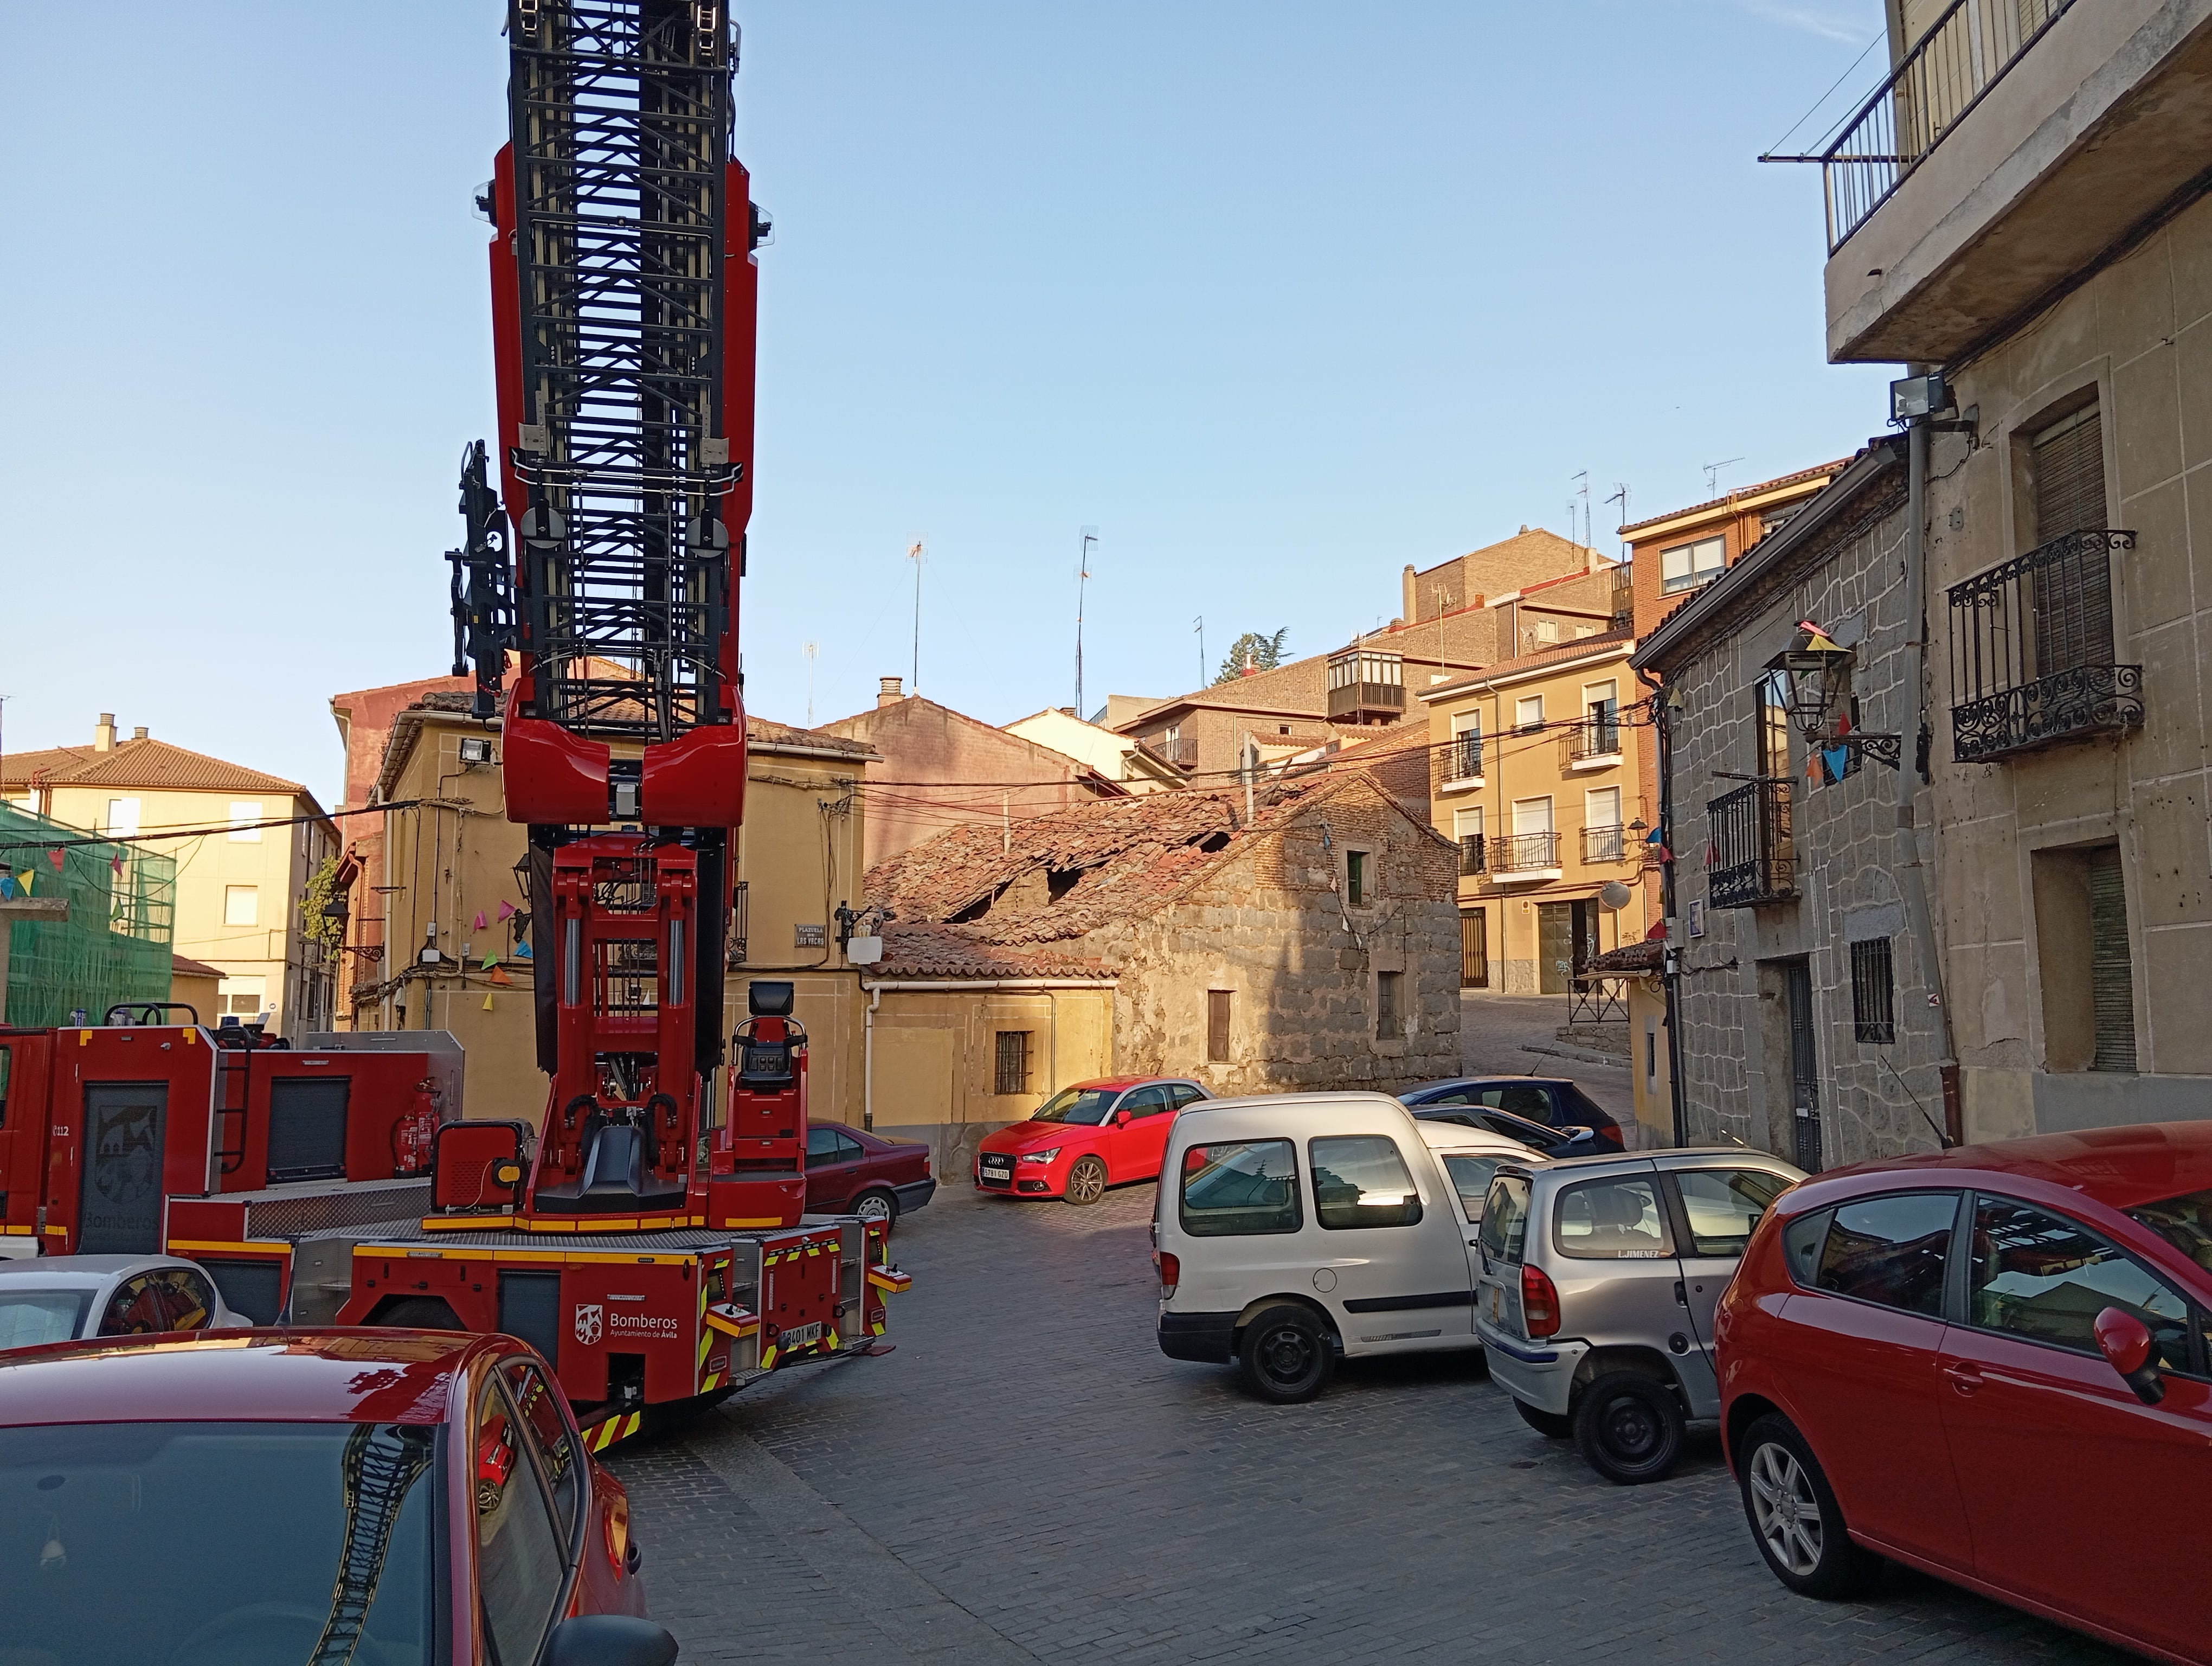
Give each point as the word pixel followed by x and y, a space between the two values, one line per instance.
pixel 119 1195
pixel 308 1128
pixel 530 1307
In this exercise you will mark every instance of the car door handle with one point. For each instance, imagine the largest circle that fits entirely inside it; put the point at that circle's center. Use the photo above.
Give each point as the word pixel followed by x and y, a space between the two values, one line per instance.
pixel 1680 1299
pixel 1964 1379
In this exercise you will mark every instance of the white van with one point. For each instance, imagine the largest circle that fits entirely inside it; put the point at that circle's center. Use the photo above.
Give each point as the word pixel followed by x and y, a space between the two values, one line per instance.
pixel 1295 1231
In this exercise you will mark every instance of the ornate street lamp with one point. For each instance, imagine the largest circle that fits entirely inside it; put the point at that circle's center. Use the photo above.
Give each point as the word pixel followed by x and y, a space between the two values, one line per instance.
pixel 1819 672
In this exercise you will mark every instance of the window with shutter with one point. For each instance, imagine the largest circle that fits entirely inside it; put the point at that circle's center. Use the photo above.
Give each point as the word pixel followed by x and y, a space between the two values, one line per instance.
pixel 2073 599
pixel 2112 972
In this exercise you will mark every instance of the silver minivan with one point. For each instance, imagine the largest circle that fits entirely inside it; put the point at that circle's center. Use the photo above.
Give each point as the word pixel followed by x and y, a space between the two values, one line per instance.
pixel 1295 1230
pixel 1595 1282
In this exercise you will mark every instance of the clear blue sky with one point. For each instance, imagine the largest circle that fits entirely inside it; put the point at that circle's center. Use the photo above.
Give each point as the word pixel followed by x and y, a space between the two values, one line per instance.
pixel 1278 296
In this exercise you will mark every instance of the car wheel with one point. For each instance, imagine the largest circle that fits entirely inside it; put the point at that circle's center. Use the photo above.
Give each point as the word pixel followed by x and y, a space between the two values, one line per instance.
pixel 1286 1356
pixel 876 1205
pixel 418 1313
pixel 1628 1427
pixel 1552 1426
pixel 1086 1181
pixel 1794 1516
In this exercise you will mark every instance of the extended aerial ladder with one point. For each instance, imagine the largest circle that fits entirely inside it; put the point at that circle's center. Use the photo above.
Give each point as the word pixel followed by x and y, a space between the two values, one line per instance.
pixel 601 571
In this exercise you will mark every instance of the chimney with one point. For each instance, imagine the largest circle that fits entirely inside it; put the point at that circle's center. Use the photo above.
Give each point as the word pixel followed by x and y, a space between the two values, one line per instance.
pixel 1070 710
pixel 138 733
pixel 887 691
pixel 103 733
pixel 1407 589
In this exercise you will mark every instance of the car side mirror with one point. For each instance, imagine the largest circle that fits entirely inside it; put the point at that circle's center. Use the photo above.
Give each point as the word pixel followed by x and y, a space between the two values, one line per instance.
pixel 1123 1118
pixel 2126 1343
pixel 608 1639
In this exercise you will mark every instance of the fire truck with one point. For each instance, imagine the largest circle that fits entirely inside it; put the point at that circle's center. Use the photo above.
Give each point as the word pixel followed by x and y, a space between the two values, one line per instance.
pixel 650 1235
pixel 141 1136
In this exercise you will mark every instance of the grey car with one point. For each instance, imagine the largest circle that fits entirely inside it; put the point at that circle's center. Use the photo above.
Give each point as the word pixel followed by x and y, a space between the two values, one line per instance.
pixel 1595 1288
pixel 53 1298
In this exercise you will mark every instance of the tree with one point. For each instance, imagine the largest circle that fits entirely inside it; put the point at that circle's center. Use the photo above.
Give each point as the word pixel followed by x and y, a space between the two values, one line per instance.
pixel 1264 653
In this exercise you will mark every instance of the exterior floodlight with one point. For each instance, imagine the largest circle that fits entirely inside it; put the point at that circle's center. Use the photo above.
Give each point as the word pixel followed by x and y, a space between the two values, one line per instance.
pixel 1914 398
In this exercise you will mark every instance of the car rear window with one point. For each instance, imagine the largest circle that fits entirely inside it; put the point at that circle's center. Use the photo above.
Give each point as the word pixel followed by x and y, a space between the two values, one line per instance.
pixel 1359 1180
pixel 1506 1216
pixel 1891 1251
pixel 29 1317
pixel 1616 1219
pixel 1239 1189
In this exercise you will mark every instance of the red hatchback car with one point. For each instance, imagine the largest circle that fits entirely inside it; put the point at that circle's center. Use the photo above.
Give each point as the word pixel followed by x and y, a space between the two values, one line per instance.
pixel 1086 1138
pixel 850 1171
pixel 1992 1364
pixel 284 1496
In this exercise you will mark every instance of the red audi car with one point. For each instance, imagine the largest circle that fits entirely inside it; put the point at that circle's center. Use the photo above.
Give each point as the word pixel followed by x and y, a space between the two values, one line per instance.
pixel 1992 1364
pixel 266 1495
pixel 1086 1138
pixel 850 1171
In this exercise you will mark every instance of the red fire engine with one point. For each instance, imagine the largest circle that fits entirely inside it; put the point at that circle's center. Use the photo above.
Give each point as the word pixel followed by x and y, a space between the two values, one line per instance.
pixel 651 1241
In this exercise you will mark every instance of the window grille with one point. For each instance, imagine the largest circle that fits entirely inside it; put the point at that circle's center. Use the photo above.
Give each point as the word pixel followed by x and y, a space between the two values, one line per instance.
pixel 1873 993
pixel 1013 1072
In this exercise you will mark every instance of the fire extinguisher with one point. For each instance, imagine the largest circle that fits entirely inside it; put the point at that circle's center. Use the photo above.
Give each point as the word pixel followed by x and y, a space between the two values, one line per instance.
pixel 412 1136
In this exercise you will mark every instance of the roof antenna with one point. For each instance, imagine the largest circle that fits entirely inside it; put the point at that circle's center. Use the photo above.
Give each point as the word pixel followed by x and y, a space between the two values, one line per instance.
pixel 1713 475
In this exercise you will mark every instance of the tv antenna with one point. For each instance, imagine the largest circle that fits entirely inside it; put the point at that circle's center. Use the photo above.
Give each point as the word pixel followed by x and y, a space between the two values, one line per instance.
pixel 913 554
pixel 1082 577
pixel 1713 474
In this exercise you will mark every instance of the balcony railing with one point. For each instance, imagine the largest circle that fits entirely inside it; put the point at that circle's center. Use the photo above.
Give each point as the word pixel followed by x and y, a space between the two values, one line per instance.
pixel 1588 742
pixel 2031 658
pixel 1754 859
pixel 1181 752
pixel 1605 844
pixel 1471 855
pixel 1623 609
pixel 1354 700
pixel 1462 758
pixel 1524 853
pixel 1963 53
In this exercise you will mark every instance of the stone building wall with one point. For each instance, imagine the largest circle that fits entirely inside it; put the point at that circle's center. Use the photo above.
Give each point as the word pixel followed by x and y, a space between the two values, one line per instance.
pixel 1276 929
pixel 1733 1036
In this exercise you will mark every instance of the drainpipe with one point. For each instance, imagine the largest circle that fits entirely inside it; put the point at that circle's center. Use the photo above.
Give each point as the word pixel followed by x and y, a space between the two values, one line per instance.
pixel 868 1055
pixel 1662 723
pixel 1912 876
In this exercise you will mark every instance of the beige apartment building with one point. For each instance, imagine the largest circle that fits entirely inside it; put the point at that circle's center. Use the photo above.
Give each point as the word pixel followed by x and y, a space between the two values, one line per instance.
pixel 239 889
pixel 1534 778
pixel 452 952
pixel 2022 207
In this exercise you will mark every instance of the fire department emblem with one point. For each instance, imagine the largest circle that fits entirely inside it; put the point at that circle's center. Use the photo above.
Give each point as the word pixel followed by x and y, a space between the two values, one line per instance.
pixel 590 1320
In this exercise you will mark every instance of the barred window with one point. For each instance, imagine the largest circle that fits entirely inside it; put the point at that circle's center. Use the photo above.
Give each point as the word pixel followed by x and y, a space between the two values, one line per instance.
pixel 1013 1075
pixel 1873 993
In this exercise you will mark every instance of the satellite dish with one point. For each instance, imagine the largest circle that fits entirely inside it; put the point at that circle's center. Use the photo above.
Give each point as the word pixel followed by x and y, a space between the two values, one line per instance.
pixel 1614 896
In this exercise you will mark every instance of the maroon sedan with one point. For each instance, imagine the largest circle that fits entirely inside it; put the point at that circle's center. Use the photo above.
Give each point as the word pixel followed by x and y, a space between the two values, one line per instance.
pixel 851 1172
pixel 370 1495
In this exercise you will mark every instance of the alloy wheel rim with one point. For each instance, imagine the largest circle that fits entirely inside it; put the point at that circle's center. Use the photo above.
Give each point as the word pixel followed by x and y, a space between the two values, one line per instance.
pixel 1784 1510
pixel 872 1208
pixel 1086 1181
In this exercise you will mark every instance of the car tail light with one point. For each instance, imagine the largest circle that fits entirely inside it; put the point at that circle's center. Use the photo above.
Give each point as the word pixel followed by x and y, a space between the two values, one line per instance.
pixel 1539 1302
pixel 1170 1272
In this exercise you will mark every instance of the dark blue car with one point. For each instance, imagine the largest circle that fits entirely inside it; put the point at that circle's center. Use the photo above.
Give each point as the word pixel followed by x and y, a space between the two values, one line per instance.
pixel 1508 1105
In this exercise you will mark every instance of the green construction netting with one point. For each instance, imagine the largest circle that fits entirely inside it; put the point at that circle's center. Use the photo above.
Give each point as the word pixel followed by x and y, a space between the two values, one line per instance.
pixel 115 944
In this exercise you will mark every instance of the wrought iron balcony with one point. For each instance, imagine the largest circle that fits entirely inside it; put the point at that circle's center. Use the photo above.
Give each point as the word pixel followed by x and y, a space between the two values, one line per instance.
pixel 1963 53
pixel 2031 651
pixel 1754 859
pixel 1594 742
pixel 1471 855
pixel 1462 758
pixel 1605 844
pixel 1523 853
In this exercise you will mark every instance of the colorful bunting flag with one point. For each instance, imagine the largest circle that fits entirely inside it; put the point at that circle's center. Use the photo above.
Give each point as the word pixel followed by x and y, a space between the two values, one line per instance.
pixel 55 857
pixel 507 910
pixel 480 919
pixel 499 976
pixel 115 862
pixel 522 951
pixel 23 882
pixel 1837 758
pixel 7 884
pixel 490 961
pixel 487 1006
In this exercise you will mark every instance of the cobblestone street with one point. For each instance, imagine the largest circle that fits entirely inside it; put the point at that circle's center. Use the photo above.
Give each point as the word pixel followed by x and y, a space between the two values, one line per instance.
pixel 1027 1478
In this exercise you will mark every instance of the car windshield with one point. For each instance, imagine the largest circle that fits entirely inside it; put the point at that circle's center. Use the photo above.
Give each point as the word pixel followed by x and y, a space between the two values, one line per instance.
pixel 1087 1105
pixel 29 1317
pixel 2185 1222
pixel 216 1544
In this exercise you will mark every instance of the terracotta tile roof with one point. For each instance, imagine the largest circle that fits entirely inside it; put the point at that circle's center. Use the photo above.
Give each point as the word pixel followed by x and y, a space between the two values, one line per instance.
pixel 768 731
pixel 1823 471
pixel 181 967
pixel 149 763
pixel 1622 639
pixel 1069 874
pixel 1629 957
pixel 927 951
pixel 20 770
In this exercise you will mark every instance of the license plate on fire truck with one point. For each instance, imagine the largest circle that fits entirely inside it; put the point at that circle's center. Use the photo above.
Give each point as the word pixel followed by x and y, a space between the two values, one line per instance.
pixel 799 1336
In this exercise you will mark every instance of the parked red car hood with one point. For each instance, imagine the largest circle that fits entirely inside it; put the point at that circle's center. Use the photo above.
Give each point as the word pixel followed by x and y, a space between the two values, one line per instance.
pixel 1035 1136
